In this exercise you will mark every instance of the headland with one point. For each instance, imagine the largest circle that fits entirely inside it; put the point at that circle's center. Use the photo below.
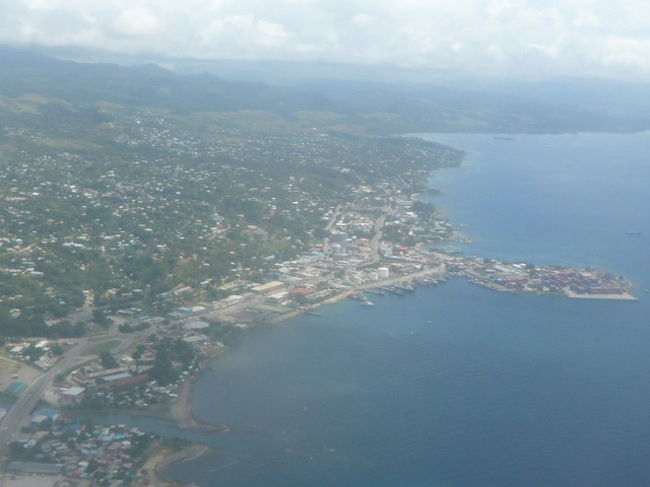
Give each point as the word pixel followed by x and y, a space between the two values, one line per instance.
pixel 385 240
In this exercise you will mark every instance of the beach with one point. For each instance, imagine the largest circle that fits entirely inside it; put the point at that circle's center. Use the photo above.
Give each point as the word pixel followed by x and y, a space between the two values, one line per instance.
pixel 153 470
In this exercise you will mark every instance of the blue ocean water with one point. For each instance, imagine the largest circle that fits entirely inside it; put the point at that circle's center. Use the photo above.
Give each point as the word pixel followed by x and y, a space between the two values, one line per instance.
pixel 456 385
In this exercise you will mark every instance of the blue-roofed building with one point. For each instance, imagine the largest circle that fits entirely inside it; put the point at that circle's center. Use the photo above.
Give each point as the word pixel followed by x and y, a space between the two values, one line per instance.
pixel 16 388
pixel 53 414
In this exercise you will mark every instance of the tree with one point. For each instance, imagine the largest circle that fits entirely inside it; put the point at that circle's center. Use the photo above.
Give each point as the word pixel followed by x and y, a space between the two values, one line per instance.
pixel 300 298
pixel 423 209
pixel 101 319
pixel 107 360
pixel 139 351
pixel 34 353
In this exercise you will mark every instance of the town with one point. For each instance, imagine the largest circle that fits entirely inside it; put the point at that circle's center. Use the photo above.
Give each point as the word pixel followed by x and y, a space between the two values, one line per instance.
pixel 121 280
pixel 366 251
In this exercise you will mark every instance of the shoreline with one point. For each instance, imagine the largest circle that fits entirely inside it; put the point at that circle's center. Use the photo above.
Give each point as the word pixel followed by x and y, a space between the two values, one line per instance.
pixel 180 412
pixel 154 470
pixel 348 292
pixel 616 297
pixel 180 409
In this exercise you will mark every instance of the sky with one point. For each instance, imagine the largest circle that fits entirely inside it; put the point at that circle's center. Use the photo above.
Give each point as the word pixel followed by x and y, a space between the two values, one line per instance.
pixel 521 38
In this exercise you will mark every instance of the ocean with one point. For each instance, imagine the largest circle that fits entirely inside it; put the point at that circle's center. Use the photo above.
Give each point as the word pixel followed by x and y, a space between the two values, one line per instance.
pixel 456 385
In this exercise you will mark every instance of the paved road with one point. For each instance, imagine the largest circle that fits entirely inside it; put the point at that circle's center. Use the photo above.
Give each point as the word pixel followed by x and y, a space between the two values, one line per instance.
pixel 328 228
pixel 26 402
pixel 379 230
pixel 28 399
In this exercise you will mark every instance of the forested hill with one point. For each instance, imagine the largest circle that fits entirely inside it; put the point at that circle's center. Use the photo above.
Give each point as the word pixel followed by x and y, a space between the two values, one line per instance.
pixel 373 106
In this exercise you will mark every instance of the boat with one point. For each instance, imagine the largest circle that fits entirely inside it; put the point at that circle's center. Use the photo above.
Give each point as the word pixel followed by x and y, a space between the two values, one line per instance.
pixel 406 287
pixel 367 302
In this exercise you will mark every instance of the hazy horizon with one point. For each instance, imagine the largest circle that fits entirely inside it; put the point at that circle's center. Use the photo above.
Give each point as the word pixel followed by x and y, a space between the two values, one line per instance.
pixel 513 39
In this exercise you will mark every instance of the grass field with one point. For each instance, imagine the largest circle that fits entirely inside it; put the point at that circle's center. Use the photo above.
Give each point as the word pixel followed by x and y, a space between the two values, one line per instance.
pixel 101 347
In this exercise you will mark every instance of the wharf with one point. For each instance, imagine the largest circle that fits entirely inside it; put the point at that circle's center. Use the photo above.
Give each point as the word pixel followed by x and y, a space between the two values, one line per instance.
pixel 617 297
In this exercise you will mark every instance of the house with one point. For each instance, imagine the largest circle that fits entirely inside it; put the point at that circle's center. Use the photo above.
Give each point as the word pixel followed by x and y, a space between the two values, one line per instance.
pixel 196 325
pixel 268 287
pixel 71 395
pixel 196 340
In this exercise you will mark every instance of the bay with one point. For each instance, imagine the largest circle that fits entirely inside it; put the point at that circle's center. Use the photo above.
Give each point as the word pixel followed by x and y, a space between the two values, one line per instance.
pixel 457 385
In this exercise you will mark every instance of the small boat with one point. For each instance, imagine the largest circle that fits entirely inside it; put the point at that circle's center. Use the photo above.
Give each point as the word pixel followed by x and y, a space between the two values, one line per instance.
pixel 357 297
pixel 406 287
pixel 375 291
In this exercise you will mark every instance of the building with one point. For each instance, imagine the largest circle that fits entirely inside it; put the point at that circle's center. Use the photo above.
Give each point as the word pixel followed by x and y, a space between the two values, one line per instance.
pixel 15 388
pixel 34 468
pixel 196 325
pixel 278 297
pixel 72 395
pixel 268 287
pixel 196 340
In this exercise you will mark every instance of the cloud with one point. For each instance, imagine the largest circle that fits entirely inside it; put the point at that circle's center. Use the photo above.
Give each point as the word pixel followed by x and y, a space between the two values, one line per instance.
pixel 510 37
pixel 137 22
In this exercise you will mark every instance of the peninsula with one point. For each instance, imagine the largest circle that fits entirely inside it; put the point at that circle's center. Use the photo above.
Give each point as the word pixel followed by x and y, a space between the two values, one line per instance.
pixel 385 240
pixel 139 242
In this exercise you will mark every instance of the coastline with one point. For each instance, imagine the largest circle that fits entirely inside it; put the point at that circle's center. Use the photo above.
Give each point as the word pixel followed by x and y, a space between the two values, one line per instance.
pixel 348 292
pixel 180 409
pixel 617 297
pixel 153 472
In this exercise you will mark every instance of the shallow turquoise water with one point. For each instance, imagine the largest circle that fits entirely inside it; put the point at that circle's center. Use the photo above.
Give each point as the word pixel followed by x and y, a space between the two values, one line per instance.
pixel 457 385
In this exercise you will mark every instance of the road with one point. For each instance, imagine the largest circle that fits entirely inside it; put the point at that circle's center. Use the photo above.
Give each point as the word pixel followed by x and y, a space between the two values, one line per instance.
pixel 17 415
pixel 379 228
pixel 328 228
pixel 29 398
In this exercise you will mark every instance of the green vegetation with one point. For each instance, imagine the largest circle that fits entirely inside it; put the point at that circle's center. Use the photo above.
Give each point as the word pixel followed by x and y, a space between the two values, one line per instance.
pixel 7 398
pixel 172 357
pixel 33 353
pixel 107 360
pixel 114 195
pixel 176 444
pixel 101 348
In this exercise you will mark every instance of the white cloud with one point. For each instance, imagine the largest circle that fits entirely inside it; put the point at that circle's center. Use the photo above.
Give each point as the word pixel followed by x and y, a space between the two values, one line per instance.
pixel 137 22
pixel 540 37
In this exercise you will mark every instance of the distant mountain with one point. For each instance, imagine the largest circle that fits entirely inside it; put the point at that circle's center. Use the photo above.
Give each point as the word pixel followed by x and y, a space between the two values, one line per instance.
pixel 376 106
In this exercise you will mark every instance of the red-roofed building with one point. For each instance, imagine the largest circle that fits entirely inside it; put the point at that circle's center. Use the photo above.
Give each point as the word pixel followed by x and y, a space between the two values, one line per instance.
pixel 302 290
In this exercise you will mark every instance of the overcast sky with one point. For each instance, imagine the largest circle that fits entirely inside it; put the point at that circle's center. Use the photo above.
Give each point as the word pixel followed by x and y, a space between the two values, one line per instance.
pixel 512 37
